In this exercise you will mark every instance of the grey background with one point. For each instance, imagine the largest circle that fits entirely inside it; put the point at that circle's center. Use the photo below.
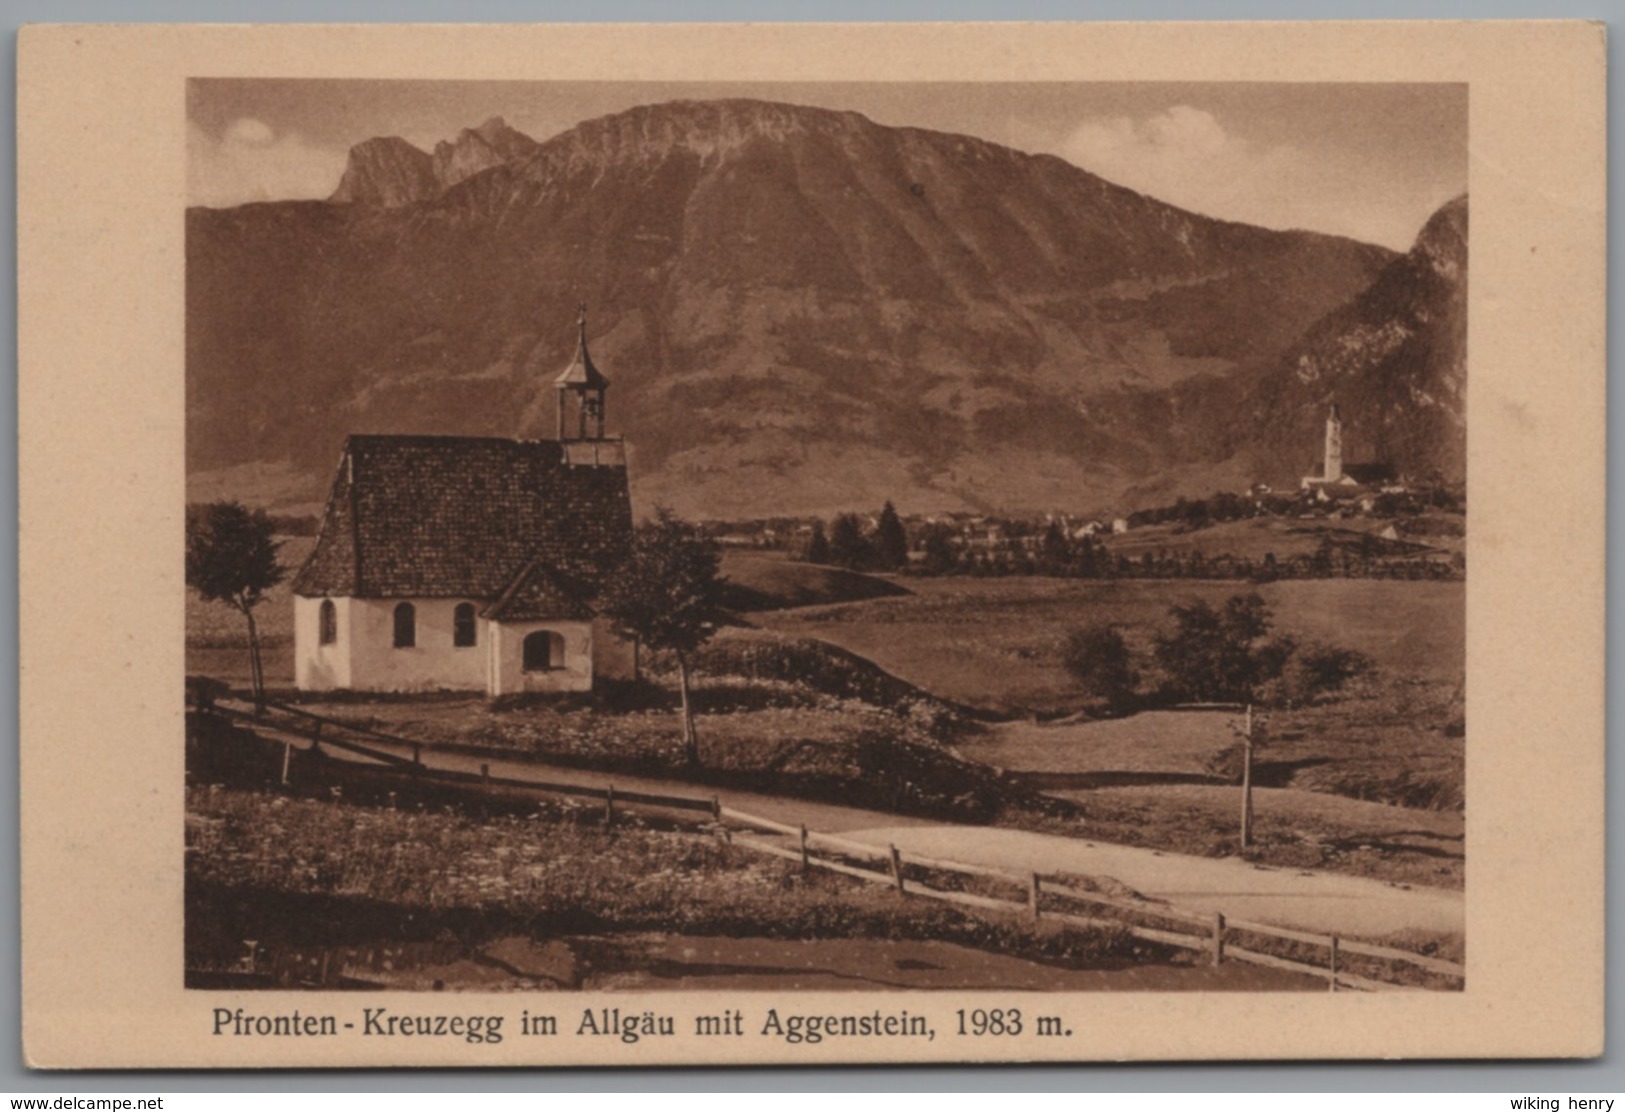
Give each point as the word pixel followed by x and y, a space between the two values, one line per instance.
pixel 1605 1075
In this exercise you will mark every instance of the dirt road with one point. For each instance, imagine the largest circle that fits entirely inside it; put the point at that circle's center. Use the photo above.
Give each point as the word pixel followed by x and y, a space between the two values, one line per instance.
pixel 1316 901
pixel 1298 898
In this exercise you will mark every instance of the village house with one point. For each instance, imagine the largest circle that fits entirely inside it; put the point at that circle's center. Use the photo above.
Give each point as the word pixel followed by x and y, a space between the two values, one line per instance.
pixel 470 563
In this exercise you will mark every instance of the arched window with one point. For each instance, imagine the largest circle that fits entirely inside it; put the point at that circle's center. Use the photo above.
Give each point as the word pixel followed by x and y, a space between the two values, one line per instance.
pixel 463 629
pixel 544 650
pixel 327 622
pixel 406 626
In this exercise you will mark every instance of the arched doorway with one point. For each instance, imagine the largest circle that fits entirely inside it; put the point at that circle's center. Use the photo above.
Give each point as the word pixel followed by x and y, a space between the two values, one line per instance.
pixel 544 651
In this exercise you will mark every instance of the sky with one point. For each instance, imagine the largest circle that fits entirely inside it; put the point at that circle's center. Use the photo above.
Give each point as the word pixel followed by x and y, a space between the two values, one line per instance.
pixel 1371 161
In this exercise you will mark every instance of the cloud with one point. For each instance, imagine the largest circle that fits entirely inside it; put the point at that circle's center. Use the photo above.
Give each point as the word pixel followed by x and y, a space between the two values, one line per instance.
pixel 1212 163
pixel 249 132
pixel 249 161
pixel 1182 133
pixel 1186 156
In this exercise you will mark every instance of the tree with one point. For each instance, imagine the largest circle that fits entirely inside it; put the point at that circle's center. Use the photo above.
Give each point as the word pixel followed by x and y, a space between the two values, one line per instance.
pixel 1218 654
pixel 847 545
pixel 1101 661
pixel 668 595
pixel 231 557
pixel 1055 550
pixel 891 540
pixel 818 546
pixel 1092 561
pixel 939 551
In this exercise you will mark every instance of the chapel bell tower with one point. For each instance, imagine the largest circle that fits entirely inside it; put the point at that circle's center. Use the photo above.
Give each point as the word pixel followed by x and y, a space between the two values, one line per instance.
pixel 588 386
pixel 1333 471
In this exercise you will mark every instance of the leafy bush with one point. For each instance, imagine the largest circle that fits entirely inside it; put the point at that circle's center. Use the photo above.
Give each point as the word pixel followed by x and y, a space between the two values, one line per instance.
pixel 1223 655
pixel 1319 669
pixel 1219 654
pixel 1308 674
pixel 1100 660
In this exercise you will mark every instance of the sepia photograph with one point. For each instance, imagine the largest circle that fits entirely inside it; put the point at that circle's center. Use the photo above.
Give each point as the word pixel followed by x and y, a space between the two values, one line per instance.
pixel 732 545
pixel 841 536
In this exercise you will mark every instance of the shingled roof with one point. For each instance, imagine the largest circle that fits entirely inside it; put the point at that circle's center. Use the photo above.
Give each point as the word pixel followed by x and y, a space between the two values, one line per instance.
pixel 539 591
pixel 581 371
pixel 463 517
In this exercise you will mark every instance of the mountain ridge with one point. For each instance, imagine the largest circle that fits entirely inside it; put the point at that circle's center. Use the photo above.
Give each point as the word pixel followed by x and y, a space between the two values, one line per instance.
pixel 801 309
pixel 1394 357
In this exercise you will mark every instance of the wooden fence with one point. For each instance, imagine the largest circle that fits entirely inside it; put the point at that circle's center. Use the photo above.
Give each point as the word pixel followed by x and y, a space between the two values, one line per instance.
pixel 1204 932
pixel 1212 933
pixel 321 730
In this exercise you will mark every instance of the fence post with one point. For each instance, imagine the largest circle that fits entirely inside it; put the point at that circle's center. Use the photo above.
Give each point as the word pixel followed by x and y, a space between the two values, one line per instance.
pixel 806 863
pixel 1334 964
pixel 287 760
pixel 417 757
pixel 609 807
pixel 1032 894
pixel 1218 938
pixel 716 807
pixel 897 869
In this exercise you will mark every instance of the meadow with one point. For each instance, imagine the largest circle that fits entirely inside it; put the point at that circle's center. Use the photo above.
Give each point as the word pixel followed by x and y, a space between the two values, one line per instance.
pixel 296 873
pixel 946 700
pixel 992 644
pixel 995 644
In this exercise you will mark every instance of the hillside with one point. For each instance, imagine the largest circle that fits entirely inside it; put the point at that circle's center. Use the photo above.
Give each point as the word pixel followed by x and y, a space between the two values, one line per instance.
pixel 770 581
pixel 800 311
pixel 1394 358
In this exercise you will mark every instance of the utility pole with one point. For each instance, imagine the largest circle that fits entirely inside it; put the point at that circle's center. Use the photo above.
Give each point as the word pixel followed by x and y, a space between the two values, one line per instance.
pixel 1247 780
pixel 1246 732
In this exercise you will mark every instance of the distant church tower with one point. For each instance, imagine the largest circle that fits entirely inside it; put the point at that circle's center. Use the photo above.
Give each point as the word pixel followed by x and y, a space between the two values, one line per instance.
pixel 1334 445
pixel 584 381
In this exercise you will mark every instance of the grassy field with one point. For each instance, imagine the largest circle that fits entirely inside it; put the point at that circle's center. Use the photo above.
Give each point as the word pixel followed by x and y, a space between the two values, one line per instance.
pixel 1368 785
pixel 1384 742
pixel 1292 828
pixel 1285 537
pixel 990 643
pixel 1154 741
pixel 821 748
pixel 773 581
pixel 837 729
pixel 418 876
pixel 996 643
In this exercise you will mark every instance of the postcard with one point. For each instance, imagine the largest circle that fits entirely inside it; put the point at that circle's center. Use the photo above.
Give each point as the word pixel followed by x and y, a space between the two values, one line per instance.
pixel 644 545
